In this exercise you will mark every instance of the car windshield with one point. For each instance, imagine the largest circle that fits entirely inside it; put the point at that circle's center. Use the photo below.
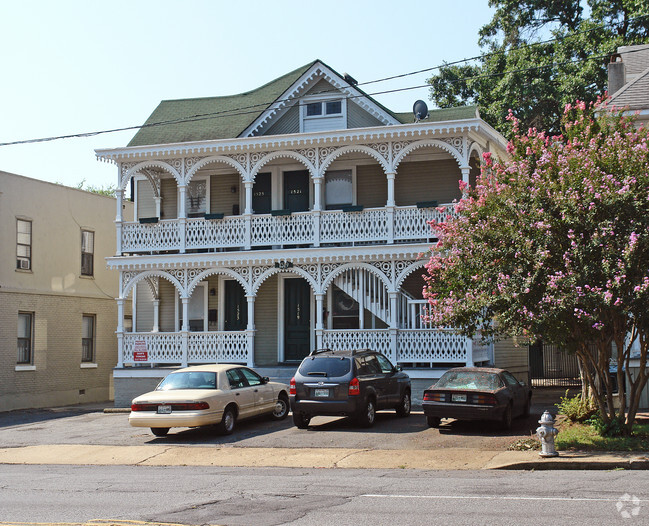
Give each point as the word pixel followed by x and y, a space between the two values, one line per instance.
pixel 330 366
pixel 469 380
pixel 188 380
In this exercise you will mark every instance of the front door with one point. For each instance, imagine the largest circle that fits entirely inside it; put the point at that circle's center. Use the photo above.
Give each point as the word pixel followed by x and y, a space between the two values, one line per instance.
pixel 236 307
pixel 297 319
pixel 261 194
pixel 296 191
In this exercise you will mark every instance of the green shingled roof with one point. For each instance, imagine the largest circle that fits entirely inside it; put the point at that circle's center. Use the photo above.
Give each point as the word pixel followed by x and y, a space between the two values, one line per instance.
pixel 444 114
pixel 229 119
pixel 175 121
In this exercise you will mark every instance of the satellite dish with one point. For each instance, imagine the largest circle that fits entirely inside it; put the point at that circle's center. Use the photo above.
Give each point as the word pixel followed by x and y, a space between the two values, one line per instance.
pixel 420 110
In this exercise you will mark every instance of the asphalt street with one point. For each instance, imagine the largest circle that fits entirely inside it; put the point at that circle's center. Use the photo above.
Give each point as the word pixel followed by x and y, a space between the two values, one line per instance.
pixel 307 497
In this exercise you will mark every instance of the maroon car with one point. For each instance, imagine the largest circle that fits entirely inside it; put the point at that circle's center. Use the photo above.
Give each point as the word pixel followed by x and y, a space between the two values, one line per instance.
pixel 477 393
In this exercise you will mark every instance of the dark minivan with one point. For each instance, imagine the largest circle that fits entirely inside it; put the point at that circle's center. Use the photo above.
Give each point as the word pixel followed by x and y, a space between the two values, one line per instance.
pixel 353 383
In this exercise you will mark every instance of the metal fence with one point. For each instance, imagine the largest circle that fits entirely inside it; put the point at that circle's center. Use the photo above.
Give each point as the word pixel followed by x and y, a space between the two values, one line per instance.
pixel 552 367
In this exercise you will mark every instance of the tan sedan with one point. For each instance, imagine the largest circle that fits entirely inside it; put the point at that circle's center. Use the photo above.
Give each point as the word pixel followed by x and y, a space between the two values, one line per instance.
pixel 205 395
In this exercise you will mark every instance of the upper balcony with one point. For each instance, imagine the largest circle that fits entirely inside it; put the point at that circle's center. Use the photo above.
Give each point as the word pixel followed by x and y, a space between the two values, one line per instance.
pixel 361 193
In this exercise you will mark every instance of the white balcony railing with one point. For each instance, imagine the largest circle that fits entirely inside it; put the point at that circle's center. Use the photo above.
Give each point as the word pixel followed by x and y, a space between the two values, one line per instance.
pixel 372 225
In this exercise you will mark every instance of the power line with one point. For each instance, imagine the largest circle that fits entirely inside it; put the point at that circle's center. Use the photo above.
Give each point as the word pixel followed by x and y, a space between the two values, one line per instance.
pixel 254 109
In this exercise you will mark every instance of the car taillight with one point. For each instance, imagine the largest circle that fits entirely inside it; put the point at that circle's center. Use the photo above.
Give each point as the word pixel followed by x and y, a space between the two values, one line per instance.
pixel 432 397
pixel 291 388
pixel 144 407
pixel 354 387
pixel 486 399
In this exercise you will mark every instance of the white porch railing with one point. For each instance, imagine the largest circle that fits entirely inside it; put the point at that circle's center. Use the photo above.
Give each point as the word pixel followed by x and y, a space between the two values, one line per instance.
pixel 202 347
pixel 420 346
pixel 372 225
pixel 377 339
pixel 432 346
pixel 160 347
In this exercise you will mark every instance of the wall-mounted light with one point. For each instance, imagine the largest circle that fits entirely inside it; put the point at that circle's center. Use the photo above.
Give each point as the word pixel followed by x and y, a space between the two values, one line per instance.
pixel 212 292
pixel 233 189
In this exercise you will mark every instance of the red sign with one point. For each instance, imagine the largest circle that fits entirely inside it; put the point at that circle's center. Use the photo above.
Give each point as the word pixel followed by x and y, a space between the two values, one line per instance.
pixel 140 353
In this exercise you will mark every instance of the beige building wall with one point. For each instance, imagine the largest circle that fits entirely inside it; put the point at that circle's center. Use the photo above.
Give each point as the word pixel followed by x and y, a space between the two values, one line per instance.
pixel 56 294
pixel 513 356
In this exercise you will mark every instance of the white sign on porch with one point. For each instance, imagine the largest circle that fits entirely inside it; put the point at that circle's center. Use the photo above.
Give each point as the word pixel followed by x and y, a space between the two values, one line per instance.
pixel 140 353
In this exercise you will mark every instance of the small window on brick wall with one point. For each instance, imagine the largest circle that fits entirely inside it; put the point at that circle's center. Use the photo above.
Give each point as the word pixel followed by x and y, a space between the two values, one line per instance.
pixel 25 337
pixel 88 338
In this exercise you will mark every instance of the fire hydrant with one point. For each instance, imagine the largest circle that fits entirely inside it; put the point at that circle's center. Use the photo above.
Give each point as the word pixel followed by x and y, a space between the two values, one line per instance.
pixel 546 432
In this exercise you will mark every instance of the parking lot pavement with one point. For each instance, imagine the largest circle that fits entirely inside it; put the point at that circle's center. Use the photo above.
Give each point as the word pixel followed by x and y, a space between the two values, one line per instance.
pixel 91 425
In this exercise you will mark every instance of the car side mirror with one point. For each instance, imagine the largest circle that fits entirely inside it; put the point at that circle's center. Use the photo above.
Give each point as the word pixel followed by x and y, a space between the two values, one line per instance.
pixel 522 383
pixel 265 380
pixel 398 368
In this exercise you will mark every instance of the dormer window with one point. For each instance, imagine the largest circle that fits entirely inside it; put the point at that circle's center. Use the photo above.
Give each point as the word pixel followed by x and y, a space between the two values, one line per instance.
pixel 321 115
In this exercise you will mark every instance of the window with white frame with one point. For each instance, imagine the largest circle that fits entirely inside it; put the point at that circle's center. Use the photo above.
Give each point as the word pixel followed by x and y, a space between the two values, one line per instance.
pixel 25 337
pixel 88 338
pixel 325 113
pixel 23 244
pixel 87 252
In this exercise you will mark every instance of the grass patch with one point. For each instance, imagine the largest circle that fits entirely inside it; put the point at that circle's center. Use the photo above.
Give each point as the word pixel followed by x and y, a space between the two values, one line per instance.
pixel 584 437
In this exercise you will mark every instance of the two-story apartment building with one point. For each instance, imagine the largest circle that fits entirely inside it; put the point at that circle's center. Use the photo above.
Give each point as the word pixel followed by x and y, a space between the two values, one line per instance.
pixel 291 217
pixel 57 298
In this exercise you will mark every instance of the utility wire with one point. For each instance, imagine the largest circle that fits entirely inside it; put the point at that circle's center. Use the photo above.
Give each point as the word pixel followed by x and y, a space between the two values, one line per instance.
pixel 244 110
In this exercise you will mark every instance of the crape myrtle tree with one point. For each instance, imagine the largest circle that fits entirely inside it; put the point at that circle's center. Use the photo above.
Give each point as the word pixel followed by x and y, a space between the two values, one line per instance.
pixel 554 244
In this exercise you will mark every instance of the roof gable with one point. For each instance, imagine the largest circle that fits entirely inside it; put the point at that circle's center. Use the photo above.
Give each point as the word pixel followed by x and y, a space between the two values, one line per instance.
pixel 318 73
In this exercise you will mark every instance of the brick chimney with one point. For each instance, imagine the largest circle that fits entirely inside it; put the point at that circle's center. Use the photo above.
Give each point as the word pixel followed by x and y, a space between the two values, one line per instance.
pixel 616 74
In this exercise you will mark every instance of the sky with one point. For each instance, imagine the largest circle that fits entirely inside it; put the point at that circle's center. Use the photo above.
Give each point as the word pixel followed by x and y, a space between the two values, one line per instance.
pixel 71 67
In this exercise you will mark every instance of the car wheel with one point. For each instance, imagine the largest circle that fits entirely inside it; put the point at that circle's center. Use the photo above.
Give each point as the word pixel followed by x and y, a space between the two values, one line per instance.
pixel 368 414
pixel 160 431
pixel 228 421
pixel 506 421
pixel 433 421
pixel 403 409
pixel 281 408
pixel 526 409
pixel 301 420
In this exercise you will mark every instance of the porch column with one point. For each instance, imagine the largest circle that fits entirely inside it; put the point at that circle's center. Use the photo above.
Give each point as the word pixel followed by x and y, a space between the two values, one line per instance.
pixel 317 209
pixel 157 200
pixel 465 175
pixel 156 316
pixel 468 343
pixel 319 320
pixel 120 332
pixel 250 329
pixel 393 330
pixel 389 205
pixel 390 176
pixel 184 332
pixel 119 218
pixel 248 215
pixel 182 217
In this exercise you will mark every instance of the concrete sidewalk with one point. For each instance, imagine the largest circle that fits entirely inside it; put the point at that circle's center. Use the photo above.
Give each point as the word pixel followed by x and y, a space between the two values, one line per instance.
pixel 449 458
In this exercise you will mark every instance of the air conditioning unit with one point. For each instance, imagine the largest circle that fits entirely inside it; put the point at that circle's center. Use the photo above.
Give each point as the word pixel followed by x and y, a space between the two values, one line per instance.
pixel 23 264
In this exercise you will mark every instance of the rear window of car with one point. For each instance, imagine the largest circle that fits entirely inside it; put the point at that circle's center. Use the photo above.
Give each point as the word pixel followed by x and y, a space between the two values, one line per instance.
pixel 469 380
pixel 188 380
pixel 329 366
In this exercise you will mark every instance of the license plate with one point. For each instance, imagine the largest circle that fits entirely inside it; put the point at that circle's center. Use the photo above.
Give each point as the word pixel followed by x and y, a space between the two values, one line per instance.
pixel 458 398
pixel 164 409
pixel 321 393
